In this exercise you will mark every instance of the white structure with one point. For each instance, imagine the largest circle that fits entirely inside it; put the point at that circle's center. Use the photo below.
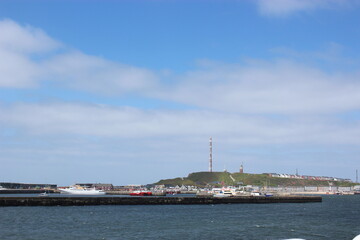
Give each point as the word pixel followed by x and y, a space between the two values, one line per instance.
pixel 77 190
pixel 210 158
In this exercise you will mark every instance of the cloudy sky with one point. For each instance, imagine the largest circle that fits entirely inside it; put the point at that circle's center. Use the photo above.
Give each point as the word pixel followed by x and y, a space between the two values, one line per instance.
pixel 129 92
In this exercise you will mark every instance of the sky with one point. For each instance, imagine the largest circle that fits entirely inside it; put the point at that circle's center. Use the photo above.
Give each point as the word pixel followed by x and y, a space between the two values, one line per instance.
pixel 129 92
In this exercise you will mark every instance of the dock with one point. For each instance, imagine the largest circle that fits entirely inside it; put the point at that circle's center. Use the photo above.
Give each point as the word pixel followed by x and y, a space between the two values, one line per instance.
pixel 27 191
pixel 85 201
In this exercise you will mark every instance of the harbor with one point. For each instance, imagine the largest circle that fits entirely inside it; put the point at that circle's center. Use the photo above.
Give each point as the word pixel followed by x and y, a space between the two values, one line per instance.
pixel 28 191
pixel 87 201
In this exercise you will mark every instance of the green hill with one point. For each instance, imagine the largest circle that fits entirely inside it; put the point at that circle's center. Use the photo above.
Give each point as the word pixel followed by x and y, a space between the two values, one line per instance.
pixel 202 179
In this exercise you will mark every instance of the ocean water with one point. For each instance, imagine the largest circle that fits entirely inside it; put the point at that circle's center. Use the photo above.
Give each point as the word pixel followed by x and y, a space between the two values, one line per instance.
pixel 336 218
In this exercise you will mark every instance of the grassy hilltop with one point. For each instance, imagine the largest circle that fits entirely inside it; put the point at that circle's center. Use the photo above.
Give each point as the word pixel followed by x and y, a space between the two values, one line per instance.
pixel 202 179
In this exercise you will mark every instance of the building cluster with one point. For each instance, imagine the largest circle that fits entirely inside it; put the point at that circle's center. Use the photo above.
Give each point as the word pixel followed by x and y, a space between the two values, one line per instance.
pixel 98 186
pixel 177 188
pixel 305 189
pixel 11 185
pixel 317 178
pixel 110 187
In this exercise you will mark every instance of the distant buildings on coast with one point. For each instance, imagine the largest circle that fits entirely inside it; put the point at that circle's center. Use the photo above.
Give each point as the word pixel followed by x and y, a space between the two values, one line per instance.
pixel 316 178
pixel 11 185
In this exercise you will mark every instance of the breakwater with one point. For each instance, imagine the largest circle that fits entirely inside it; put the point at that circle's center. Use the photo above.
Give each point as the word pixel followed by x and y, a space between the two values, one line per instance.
pixel 27 191
pixel 83 201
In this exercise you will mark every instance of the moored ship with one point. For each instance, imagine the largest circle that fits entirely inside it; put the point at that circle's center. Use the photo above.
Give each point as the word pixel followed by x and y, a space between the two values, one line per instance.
pixel 141 193
pixel 78 190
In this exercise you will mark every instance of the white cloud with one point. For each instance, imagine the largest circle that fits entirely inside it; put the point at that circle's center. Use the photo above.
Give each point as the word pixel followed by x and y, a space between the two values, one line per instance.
pixel 114 144
pixel 17 44
pixel 279 87
pixel 274 87
pixel 130 123
pixel 17 70
pixel 28 57
pixel 236 101
pixel 271 103
pixel 287 7
pixel 83 72
pixel 24 39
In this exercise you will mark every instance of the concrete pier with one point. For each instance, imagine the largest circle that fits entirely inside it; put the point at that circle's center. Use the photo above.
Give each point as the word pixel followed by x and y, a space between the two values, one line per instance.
pixel 83 201
pixel 27 191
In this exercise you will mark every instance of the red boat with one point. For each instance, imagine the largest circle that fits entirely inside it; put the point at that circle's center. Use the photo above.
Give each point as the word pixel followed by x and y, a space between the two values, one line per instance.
pixel 173 192
pixel 141 193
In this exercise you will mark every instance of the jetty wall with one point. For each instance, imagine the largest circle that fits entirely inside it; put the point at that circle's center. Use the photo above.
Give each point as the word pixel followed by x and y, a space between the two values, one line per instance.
pixel 27 191
pixel 83 201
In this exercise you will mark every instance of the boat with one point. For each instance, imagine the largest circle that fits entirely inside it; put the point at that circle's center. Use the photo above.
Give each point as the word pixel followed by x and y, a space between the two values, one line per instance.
pixel 173 192
pixel 255 193
pixel 141 193
pixel 44 194
pixel 357 237
pixel 2 188
pixel 222 192
pixel 78 190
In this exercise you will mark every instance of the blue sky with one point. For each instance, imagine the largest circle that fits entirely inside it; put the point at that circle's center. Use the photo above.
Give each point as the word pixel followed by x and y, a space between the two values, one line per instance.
pixel 129 92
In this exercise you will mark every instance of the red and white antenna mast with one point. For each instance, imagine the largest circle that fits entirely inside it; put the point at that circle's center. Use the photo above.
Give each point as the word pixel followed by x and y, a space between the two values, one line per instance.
pixel 210 159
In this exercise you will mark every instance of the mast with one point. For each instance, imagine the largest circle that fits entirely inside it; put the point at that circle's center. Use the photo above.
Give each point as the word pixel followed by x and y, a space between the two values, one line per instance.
pixel 210 157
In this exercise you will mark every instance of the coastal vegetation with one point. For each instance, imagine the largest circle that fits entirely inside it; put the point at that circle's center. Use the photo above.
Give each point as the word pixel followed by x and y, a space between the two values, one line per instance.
pixel 203 179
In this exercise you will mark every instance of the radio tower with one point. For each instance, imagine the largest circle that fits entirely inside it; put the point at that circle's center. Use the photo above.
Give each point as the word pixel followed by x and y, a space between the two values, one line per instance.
pixel 210 159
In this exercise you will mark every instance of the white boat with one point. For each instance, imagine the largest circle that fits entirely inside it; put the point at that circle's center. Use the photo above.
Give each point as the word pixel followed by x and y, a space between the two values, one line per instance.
pixel 357 237
pixel 2 188
pixel 222 192
pixel 78 190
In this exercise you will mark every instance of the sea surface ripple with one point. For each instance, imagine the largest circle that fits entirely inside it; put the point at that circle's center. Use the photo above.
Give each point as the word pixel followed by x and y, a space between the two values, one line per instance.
pixel 337 217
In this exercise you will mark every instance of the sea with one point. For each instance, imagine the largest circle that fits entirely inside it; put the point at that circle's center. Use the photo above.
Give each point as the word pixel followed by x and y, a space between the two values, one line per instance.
pixel 336 218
